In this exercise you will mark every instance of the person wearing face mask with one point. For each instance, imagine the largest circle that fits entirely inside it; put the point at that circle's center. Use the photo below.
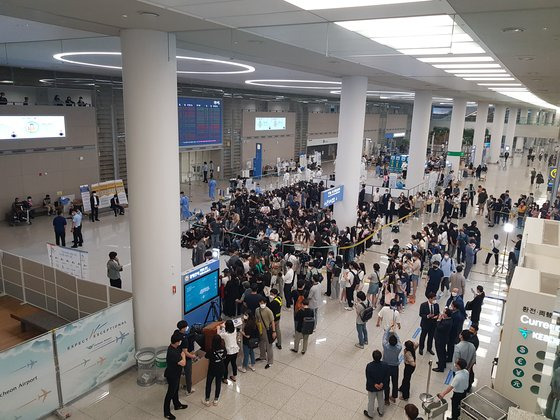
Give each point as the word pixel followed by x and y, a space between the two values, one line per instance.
pixel 267 331
pixel 275 306
pixel 443 329
pixel 458 386
pixel 448 267
pixel 429 312
pixel 94 203
pixel 187 347
pixel 457 281
pixel 470 255
pixel 475 305
pixel 250 335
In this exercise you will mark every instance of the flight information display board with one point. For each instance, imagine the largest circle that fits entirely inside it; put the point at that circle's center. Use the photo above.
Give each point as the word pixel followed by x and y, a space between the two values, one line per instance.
pixel 200 122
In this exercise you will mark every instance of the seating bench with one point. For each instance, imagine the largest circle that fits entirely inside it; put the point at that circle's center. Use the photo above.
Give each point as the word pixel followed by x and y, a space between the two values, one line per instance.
pixel 40 321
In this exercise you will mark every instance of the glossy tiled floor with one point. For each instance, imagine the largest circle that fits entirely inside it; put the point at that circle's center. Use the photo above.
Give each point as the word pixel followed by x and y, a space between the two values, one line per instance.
pixel 328 382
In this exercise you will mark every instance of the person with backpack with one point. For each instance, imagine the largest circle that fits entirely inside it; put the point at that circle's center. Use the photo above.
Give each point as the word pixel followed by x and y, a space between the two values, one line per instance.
pixel 298 296
pixel 352 280
pixel 364 312
pixel 305 323
pixel 216 368
pixel 251 340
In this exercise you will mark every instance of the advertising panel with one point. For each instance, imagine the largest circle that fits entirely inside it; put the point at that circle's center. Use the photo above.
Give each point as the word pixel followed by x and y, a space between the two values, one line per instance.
pixel 332 195
pixel 72 261
pixel 270 123
pixel 28 389
pixel 84 193
pixel 105 191
pixel 16 127
pixel 94 349
pixel 121 192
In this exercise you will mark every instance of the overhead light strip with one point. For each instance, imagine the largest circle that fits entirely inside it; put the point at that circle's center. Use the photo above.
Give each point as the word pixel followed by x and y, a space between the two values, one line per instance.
pixel 337 4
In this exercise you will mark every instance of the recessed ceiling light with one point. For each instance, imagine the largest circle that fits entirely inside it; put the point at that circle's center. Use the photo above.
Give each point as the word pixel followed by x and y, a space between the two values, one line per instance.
pixel 293 84
pixel 7 82
pixel 488 78
pixel 526 58
pixel 483 75
pixel 456 48
pixel 456 59
pixel 509 89
pixel 499 84
pixel 513 29
pixel 475 71
pixel 124 16
pixel 337 4
pixel 467 66
pixel 149 14
pixel 244 68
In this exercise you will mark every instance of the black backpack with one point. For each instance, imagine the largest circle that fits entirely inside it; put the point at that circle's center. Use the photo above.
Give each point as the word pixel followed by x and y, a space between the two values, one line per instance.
pixel 367 313
pixel 308 325
pixel 336 270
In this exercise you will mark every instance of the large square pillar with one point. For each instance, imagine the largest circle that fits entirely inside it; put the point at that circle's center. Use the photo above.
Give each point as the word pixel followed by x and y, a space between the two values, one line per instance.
pixel 480 131
pixel 454 147
pixel 419 132
pixel 497 133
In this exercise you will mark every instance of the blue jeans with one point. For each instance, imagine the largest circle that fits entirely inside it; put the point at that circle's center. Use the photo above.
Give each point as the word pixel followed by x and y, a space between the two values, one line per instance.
pixel 248 352
pixel 362 334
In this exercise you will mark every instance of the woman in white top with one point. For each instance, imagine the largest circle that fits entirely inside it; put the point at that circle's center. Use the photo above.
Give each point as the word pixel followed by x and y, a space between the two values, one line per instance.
pixel 494 250
pixel 443 240
pixel 229 335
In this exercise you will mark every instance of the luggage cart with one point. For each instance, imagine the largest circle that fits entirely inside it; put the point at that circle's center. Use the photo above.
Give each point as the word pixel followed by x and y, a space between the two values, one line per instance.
pixel 486 404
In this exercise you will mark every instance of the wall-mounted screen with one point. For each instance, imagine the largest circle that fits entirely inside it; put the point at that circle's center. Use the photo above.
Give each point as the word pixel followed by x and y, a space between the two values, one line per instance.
pixel 201 290
pixel 16 127
pixel 200 122
pixel 270 123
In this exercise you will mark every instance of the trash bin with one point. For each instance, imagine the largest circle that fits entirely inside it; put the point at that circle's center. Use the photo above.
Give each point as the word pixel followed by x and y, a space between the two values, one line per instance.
pixel 161 364
pixel 145 359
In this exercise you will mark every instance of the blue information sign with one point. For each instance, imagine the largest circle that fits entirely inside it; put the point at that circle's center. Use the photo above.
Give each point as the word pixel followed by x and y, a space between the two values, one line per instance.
pixel 331 196
pixel 201 287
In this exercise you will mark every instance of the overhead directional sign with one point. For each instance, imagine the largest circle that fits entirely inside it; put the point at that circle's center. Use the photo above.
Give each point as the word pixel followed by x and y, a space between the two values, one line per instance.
pixel 331 196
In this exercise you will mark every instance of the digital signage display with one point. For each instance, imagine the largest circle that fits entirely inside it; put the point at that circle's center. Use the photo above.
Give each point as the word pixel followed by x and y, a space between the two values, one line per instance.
pixel 200 122
pixel 270 123
pixel 17 127
pixel 200 291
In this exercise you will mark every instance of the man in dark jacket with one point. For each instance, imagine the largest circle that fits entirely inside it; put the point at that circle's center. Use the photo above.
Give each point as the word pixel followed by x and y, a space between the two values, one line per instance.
pixel 429 312
pixel 377 379
pixel 443 329
pixel 475 305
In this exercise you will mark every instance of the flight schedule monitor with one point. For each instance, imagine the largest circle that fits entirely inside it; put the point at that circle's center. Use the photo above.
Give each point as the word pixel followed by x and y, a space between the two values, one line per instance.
pixel 200 291
pixel 200 122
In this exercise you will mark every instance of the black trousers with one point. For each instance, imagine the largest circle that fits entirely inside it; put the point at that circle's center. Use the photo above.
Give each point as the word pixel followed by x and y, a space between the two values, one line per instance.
pixel 288 295
pixel 118 210
pixel 496 257
pixel 461 254
pixel 471 378
pixel 116 283
pixel 441 354
pixel 350 296
pixel 405 385
pixel 215 376
pixel 171 395
pixel 427 332
pixel 205 173
pixel 329 279
pixel 394 378
pixel 77 233
pixel 456 404
pixel 60 238
pixel 231 359
pixel 94 215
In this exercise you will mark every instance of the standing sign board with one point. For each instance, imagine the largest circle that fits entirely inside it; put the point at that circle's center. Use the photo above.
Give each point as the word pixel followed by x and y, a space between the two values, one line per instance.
pixel 94 349
pixel 106 190
pixel 72 261
pixel 201 300
pixel 29 389
pixel 331 196
pixel 84 193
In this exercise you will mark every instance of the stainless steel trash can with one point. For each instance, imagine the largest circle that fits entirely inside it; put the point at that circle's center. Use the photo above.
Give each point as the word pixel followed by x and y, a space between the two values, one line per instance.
pixel 145 359
pixel 161 364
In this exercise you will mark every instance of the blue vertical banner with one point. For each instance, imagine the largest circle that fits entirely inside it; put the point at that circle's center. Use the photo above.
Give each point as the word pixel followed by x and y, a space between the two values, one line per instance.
pixel 28 389
pixel 257 161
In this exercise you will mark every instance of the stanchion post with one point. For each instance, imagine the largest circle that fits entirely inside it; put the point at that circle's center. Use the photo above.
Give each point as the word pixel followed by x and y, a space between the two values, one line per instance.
pixel 501 323
pixel 426 396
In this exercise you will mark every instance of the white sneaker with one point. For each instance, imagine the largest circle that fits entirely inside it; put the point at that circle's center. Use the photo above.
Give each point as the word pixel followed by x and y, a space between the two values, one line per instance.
pixel 242 369
pixel 252 367
pixel 215 402
pixel 206 403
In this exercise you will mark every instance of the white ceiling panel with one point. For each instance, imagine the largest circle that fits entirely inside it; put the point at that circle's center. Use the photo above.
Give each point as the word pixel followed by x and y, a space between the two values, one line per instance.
pixel 21 30
pixel 215 10
pixel 270 19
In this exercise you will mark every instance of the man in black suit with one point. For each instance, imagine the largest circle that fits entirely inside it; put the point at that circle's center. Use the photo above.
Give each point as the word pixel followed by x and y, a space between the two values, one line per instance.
pixel 443 329
pixel 429 312
pixel 94 201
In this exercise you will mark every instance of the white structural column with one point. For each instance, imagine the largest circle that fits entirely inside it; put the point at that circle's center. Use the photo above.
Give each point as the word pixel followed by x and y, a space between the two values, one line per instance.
pixel 497 133
pixel 480 131
pixel 419 132
pixel 549 117
pixel 349 152
pixel 150 108
pixel 523 115
pixel 510 130
pixel 456 128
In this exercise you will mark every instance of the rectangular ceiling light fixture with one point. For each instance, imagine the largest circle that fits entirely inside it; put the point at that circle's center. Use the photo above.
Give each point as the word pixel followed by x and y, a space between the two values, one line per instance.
pixel 499 84
pixel 456 48
pixel 483 58
pixel 488 78
pixel 482 75
pixel 475 71
pixel 338 4
pixel 467 66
